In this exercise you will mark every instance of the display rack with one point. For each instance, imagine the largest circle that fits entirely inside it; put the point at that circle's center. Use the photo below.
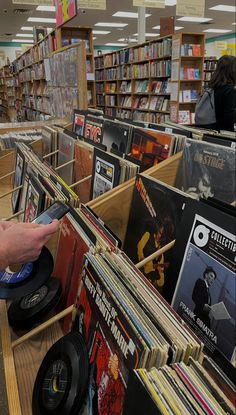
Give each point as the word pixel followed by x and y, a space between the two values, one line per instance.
pixel 29 72
pixel 134 82
pixel 210 63
pixel 186 75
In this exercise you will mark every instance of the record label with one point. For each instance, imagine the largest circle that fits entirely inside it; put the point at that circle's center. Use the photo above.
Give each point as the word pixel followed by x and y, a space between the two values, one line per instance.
pixel 9 277
pixel 33 299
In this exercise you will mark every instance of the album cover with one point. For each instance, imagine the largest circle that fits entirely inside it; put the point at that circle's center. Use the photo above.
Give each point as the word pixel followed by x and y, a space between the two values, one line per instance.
pixel 70 251
pixel 18 178
pixel 83 167
pixel 114 348
pixel 208 170
pixel 117 136
pixel 155 213
pixel 35 198
pixel 106 173
pixel 79 122
pixel 93 128
pixel 220 140
pixel 204 263
pixel 49 139
pixel 151 146
pixel 65 154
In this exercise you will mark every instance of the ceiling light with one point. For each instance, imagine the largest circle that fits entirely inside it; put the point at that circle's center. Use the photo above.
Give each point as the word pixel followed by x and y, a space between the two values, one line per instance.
pixel 30 28
pixel 103 24
pixel 24 35
pixel 130 15
pixel 41 19
pixel 217 31
pixel 170 2
pixel 129 40
pixel 224 8
pixel 94 37
pixel 194 19
pixel 234 24
pixel 46 8
pixel 148 34
pixel 176 27
pixel 101 32
pixel 116 44
pixel 23 40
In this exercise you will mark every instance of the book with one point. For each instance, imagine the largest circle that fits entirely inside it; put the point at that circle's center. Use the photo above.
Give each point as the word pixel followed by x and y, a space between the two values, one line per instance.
pixel 203 261
pixel 207 170
pixel 155 213
pixel 184 117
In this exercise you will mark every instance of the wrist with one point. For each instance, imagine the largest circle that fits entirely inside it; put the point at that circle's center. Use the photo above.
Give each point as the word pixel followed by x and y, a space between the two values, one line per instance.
pixel 3 258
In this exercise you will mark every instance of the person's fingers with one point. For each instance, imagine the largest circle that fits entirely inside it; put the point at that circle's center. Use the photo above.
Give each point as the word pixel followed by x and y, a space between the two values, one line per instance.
pixel 46 230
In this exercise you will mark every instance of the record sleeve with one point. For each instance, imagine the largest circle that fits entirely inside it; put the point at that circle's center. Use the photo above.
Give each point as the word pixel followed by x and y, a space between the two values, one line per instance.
pixel 117 136
pixel 106 173
pixel 83 168
pixel 155 213
pixel 204 263
pixel 79 122
pixel 18 179
pixel 208 170
pixel 93 129
pixel 35 199
pixel 65 154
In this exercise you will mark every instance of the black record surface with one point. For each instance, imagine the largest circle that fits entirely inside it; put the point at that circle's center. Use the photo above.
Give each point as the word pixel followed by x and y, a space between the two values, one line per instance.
pixel 29 278
pixel 62 380
pixel 30 309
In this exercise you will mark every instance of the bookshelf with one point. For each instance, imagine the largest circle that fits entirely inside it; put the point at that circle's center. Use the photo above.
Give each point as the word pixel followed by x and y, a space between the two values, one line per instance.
pixel 134 82
pixel 33 97
pixel 186 75
pixel 210 63
pixel 7 91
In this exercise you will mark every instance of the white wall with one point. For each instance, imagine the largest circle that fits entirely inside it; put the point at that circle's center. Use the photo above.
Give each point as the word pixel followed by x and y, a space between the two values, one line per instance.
pixel 212 50
pixel 8 52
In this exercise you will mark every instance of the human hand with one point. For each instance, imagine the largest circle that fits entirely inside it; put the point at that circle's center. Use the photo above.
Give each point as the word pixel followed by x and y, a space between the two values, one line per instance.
pixel 4 224
pixel 23 242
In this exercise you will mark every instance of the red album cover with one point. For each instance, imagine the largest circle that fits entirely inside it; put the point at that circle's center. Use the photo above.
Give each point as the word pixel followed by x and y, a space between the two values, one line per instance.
pixel 69 258
pixel 83 166
pixel 113 346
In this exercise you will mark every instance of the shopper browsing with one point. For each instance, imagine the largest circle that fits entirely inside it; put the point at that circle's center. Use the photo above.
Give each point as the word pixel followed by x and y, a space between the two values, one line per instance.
pixel 23 242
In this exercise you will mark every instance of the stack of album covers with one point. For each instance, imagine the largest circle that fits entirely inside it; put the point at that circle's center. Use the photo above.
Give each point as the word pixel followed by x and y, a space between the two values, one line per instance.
pixel 226 139
pixel 40 185
pixel 9 140
pixel 83 167
pixel 50 144
pixel 208 170
pixel 203 277
pixel 178 390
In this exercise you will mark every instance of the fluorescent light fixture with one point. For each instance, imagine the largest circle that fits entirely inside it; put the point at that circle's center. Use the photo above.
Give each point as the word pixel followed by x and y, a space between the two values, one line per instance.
pixel 41 19
pixel 101 32
pixel 129 40
pixel 217 31
pixel 176 27
pixel 104 24
pixel 224 8
pixel 149 34
pixel 170 2
pixel 23 40
pixel 116 44
pixel 46 8
pixel 94 37
pixel 195 19
pixel 130 15
pixel 234 24
pixel 29 28
pixel 24 35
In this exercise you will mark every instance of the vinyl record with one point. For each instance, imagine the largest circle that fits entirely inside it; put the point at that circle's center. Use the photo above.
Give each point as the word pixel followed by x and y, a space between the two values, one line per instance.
pixel 29 278
pixel 30 309
pixel 62 380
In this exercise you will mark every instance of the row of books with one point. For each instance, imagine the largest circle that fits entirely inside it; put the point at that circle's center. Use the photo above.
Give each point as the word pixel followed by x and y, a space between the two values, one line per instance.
pixel 159 69
pixel 10 139
pixel 210 64
pixel 191 50
pixel 187 73
pixel 141 71
pixel 33 73
pixel 152 103
pixel 188 95
pixel 61 69
pixel 100 100
pixel 111 100
pixel 39 103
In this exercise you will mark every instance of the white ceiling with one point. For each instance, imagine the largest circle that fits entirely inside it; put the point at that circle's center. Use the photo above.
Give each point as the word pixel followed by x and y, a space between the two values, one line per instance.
pixel 10 22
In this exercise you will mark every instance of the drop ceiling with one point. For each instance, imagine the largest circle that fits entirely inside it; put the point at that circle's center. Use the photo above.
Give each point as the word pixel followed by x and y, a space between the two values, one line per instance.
pixel 11 21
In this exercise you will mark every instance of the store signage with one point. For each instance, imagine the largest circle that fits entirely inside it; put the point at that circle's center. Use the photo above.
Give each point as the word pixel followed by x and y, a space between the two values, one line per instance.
pixel 192 8
pixel 159 4
pixel 35 2
pixel 167 26
pixel 65 11
pixel 92 4
pixel 221 45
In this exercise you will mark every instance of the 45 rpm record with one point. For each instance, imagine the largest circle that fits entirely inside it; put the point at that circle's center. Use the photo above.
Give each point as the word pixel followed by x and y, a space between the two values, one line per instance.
pixel 62 380
pixel 30 309
pixel 29 278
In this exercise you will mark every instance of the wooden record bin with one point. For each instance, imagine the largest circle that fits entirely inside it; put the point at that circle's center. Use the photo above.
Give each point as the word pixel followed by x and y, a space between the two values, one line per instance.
pixel 21 357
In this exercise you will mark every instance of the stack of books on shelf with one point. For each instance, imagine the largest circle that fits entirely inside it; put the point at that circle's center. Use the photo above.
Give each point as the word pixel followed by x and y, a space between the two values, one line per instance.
pixel 191 50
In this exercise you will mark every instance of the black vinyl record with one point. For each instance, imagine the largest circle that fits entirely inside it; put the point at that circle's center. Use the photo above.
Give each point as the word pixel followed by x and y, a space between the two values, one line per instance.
pixel 30 309
pixel 29 278
pixel 62 380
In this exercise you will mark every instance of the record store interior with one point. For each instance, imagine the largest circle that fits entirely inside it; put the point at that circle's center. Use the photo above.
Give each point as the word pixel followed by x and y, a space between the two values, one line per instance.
pixel 117 207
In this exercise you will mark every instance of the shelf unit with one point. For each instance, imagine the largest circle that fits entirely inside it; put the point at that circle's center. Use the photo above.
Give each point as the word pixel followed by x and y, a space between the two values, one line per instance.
pixel 186 75
pixel 133 82
pixel 7 92
pixel 210 63
pixel 32 101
